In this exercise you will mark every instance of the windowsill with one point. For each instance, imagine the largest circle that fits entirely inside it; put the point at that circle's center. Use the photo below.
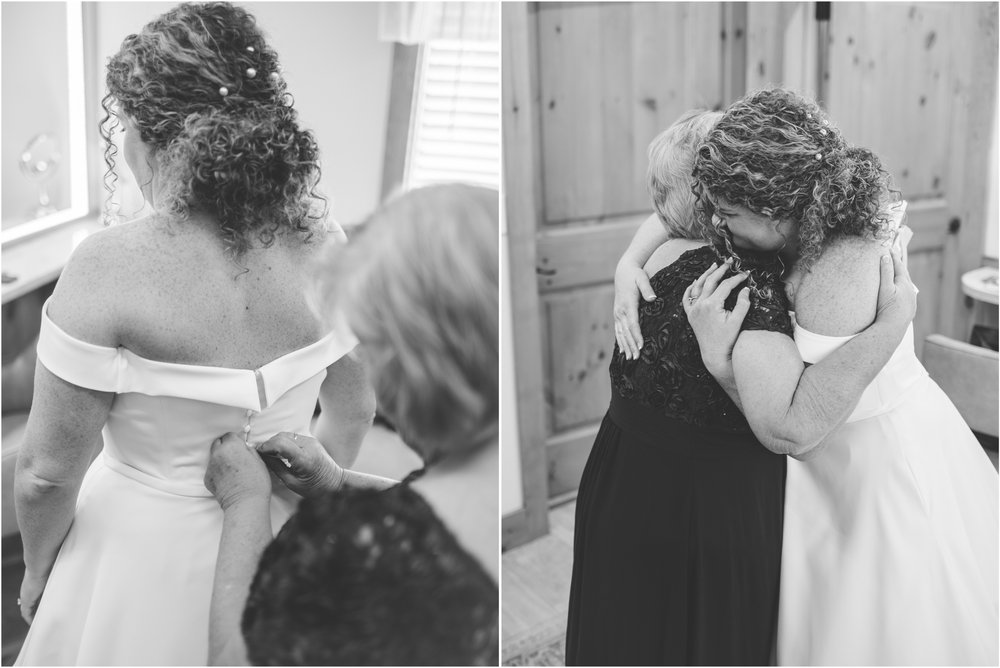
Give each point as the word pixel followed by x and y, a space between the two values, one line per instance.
pixel 40 258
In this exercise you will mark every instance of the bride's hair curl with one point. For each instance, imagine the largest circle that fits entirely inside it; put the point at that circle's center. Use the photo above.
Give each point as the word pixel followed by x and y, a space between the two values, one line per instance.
pixel 777 154
pixel 203 89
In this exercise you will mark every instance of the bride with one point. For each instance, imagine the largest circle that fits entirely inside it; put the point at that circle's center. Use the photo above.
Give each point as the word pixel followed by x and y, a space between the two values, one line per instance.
pixel 163 334
pixel 889 552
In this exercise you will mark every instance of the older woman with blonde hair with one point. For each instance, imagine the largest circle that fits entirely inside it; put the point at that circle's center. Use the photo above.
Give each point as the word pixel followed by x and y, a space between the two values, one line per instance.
pixel 668 181
pixel 419 288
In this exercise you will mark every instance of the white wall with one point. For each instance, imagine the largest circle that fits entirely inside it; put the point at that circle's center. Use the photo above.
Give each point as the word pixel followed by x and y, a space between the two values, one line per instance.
pixel 335 67
pixel 992 238
pixel 511 491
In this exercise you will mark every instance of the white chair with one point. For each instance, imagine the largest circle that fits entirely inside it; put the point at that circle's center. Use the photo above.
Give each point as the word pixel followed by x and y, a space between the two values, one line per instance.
pixel 968 375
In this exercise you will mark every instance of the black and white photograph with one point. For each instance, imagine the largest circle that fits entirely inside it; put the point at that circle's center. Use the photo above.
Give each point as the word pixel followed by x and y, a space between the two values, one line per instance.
pixel 749 334
pixel 251 380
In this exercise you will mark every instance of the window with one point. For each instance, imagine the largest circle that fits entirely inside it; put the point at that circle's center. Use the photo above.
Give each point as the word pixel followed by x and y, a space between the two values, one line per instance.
pixel 46 182
pixel 455 132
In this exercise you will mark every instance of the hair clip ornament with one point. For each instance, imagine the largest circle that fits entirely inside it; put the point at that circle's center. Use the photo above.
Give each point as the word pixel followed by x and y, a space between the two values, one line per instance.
pixel 251 73
pixel 819 156
pixel 822 131
pixel 223 91
pixel 826 122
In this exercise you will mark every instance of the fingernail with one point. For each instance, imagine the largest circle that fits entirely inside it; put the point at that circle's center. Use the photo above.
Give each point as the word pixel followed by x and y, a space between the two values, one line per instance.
pixel 885 258
pixel 729 260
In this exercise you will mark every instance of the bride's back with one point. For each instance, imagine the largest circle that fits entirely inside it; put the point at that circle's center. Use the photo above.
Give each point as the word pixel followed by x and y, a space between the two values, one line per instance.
pixel 219 275
pixel 170 292
pixel 199 305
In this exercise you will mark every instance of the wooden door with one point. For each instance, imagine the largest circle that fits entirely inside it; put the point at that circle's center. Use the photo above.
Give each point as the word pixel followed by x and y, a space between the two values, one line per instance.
pixel 587 86
pixel 916 83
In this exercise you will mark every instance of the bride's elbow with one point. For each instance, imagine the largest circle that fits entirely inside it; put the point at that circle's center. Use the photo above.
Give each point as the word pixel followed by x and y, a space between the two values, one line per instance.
pixel 31 484
pixel 786 439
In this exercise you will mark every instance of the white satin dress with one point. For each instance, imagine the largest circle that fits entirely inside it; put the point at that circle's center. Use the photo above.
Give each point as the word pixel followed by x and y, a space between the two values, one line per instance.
pixel 890 549
pixel 133 580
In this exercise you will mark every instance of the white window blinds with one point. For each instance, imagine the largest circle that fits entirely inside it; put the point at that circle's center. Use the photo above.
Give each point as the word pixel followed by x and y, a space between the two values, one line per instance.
pixel 456 119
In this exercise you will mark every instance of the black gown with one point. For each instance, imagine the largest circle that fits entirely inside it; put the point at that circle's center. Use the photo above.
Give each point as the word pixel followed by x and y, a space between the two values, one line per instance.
pixel 677 547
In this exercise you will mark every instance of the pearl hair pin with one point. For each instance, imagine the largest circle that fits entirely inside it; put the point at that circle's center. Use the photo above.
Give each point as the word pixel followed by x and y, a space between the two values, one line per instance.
pixel 251 73
pixel 251 49
pixel 223 91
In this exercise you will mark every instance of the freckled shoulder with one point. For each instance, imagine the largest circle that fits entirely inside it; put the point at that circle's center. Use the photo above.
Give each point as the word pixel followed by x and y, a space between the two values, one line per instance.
pixel 87 294
pixel 838 295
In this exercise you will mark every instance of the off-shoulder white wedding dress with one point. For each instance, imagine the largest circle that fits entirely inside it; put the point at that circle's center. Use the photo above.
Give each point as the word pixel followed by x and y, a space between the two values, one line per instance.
pixel 890 549
pixel 133 580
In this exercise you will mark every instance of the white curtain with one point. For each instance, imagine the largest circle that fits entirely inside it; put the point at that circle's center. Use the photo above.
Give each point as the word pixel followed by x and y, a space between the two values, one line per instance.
pixel 420 22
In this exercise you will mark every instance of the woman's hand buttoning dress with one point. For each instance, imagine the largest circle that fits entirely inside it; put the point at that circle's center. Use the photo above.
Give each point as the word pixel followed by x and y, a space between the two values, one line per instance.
pixel 370 571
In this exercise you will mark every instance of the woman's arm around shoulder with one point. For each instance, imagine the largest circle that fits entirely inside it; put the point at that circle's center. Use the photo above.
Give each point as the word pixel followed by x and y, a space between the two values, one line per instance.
pixel 793 408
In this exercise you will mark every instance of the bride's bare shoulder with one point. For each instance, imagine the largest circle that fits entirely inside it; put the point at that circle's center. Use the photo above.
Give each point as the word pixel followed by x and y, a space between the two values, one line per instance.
pixel 838 295
pixel 103 270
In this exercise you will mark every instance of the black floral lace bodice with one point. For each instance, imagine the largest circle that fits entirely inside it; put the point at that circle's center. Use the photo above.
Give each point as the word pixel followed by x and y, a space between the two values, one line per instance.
pixel 669 375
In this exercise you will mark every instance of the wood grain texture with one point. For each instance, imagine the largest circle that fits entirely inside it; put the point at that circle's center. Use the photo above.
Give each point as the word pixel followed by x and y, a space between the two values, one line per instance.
pixel 581 340
pixel 567 457
pixel 581 255
pixel 923 101
pixel 522 210
pixel 611 77
pixel 967 374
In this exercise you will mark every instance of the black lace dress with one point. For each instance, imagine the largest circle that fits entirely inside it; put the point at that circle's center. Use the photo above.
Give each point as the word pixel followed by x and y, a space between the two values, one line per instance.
pixel 679 513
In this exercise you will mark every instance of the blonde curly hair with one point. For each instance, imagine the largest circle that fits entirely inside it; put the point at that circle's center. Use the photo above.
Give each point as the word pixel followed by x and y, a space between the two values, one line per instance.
pixel 668 177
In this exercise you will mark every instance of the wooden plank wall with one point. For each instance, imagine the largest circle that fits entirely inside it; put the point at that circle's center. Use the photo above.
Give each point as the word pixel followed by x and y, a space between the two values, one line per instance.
pixel 611 77
pixel 522 209
pixel 923 101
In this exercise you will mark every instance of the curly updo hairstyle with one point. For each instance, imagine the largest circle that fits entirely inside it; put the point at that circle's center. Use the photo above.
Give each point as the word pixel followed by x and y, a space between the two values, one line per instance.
pixel 777 154
pixel 203 89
